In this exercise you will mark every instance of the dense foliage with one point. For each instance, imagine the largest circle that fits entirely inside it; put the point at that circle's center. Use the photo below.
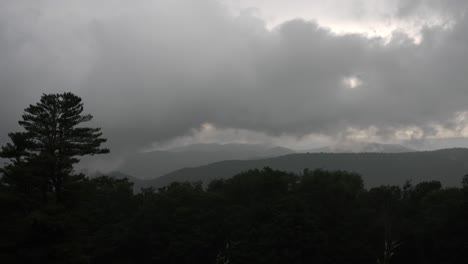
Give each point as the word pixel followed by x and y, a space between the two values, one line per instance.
pixel 260 216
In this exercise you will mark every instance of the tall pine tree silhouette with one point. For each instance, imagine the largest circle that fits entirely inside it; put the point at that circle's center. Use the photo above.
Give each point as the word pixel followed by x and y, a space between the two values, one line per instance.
pixel 42 156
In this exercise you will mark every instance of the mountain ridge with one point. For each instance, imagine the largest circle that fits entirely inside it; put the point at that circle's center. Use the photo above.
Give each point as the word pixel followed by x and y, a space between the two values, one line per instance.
pixel 447 166
pixel 160 162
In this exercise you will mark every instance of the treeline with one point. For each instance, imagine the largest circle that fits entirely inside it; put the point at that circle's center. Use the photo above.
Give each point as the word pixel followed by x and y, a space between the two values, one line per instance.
pixel 259 216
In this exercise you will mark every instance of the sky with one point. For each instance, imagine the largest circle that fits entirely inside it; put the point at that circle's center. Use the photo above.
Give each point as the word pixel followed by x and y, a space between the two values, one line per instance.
pixel 300 74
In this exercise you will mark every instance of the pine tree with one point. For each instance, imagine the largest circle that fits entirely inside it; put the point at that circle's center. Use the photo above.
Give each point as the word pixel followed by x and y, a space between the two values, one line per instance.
pixel 50 144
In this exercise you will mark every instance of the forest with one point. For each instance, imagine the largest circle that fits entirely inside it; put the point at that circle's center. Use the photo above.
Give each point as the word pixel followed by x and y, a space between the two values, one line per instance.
pixel 52 214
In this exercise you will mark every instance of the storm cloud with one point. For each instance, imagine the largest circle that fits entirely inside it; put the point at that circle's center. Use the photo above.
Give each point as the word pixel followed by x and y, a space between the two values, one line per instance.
pixel 155 71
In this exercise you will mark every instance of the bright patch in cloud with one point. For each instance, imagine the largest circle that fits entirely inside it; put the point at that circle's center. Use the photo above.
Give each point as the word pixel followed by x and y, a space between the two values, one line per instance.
pixel 352 82
pixel 370 18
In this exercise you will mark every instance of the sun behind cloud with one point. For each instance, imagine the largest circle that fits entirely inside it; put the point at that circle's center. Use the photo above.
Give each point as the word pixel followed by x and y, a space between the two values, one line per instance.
pixel 352 82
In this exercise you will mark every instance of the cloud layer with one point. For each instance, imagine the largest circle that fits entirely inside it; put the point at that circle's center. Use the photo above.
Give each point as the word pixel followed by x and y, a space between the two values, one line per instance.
pixel 152 71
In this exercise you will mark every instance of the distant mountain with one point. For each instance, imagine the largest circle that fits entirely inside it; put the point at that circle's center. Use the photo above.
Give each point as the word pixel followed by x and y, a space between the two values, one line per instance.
pixel 437 143
pixel 362 147
pixel 157 163
pixel 244 149
pixel 447 166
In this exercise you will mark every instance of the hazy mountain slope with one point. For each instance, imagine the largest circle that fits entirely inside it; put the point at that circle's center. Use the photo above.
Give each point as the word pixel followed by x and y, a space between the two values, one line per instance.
pixel 437 143
pixel 251 149
pixel 447 166
pixel 157 163
pixel 360 147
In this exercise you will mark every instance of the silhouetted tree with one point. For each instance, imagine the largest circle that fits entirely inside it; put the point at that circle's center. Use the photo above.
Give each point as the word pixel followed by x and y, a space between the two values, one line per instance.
pixel 50 144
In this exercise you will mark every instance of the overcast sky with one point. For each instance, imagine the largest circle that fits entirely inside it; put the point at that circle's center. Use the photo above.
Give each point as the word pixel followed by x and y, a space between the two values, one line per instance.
pixel 293 73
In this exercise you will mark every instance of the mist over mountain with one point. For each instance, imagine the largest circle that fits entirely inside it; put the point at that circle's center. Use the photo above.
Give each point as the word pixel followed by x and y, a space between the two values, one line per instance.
pixel 153 164
pixel 447 166
pixel 252 150
pixel 361 147
pixel 437 143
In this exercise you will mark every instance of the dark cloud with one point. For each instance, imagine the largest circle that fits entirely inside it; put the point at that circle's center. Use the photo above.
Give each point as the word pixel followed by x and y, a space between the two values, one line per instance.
pixel 444 8
pixel 153 70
